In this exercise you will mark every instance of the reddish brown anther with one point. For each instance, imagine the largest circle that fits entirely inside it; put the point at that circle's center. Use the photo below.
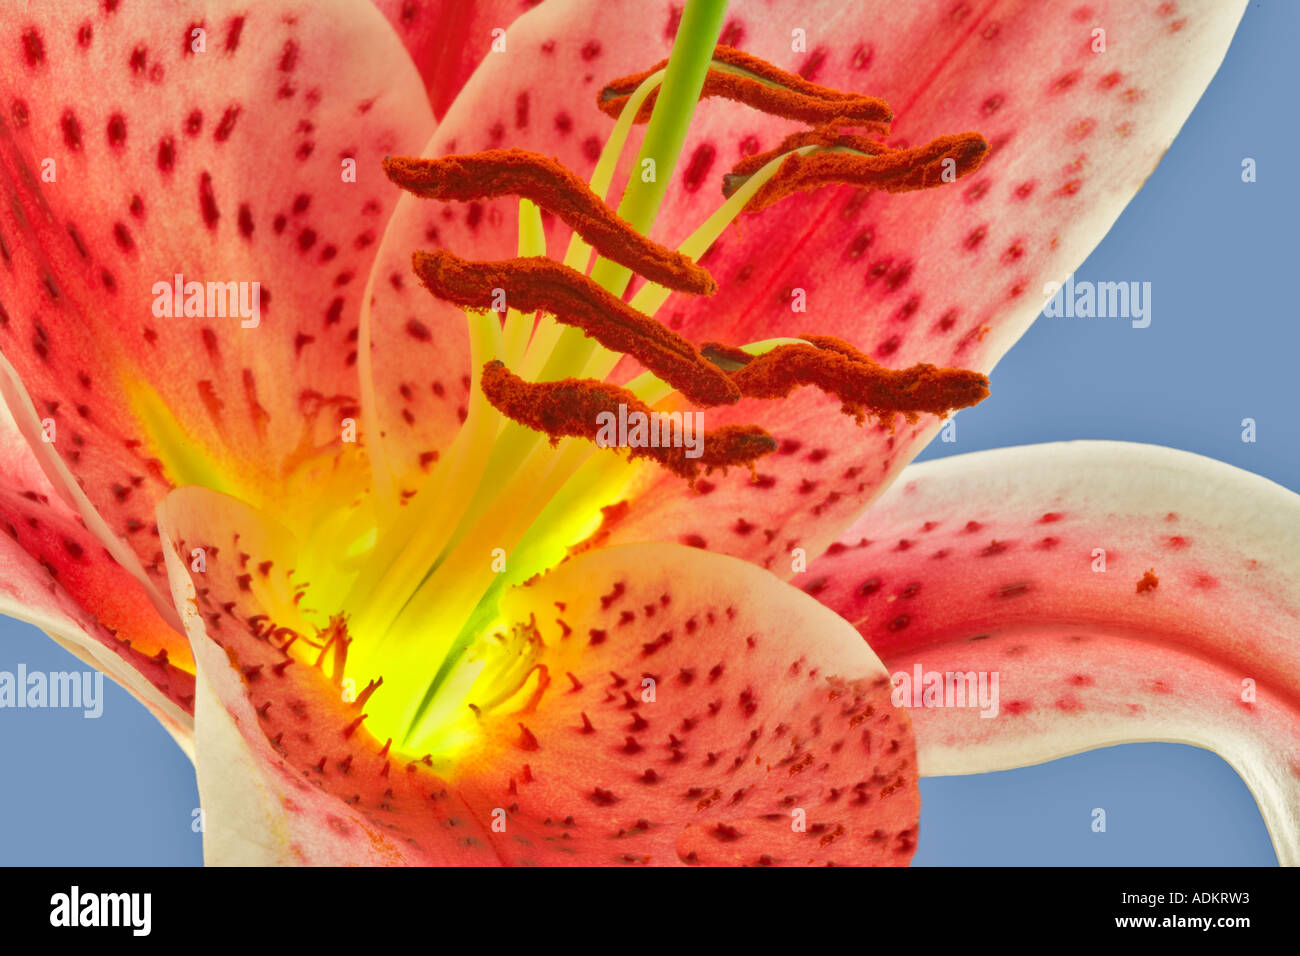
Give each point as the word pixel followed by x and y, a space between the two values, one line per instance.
pixel 572 407
pixel 940 161
pixel 537 283
pixel 761 85
pixel 863 386
pixel 726 357
pixel 518 172
pixel 824 136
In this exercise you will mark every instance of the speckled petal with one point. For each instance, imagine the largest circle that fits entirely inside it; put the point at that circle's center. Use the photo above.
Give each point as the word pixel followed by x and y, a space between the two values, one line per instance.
pixel 1121 592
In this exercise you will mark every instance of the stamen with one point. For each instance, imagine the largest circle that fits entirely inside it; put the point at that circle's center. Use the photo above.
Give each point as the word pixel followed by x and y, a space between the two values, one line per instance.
pixel 825 137
pixel 538 283
pixel 729 358
pixel 571 407
pixel 863 386
pixel 334 637
pixel 891 170
pixel 518 172
pixel 532 242
pixel 738 76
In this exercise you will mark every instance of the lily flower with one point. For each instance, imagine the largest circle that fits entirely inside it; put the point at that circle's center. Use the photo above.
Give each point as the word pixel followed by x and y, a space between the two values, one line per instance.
pixel 358 546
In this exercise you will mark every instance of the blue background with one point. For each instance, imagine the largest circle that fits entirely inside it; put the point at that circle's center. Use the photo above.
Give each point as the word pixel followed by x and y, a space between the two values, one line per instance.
pixel 1220 255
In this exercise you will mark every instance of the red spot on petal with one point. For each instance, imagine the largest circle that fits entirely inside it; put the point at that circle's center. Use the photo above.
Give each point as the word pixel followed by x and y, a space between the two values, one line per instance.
pixel 698 168
pixel 233 33
pixel 227 123
pixel 33 47
pixel 166 154
pixel 812 66
pixel 116 130
pixel 71 130
pixel 289 57
pixel 122 236
pixel 208 201
pixel 1065 81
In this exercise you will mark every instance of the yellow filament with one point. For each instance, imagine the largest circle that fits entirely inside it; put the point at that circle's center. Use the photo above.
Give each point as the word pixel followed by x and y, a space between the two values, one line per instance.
pixel 651 297
pixel 578 255
pixel 401 557
pixel 532 242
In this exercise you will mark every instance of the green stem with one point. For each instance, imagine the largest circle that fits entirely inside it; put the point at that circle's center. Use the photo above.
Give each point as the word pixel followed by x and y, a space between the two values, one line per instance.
pixel 688 66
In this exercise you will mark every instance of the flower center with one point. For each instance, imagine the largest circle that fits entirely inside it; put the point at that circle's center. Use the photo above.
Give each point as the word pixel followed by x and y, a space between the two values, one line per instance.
pixel 523 483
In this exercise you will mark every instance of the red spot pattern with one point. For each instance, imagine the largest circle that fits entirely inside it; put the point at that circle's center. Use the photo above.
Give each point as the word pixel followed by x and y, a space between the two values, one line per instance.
pixel 87 256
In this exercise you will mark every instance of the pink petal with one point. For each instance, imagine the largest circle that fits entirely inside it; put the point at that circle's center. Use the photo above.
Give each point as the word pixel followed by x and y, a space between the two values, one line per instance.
pixel 448 38
pixel 760 708
pixel 54 574
pixel 224 165
pixel 988 563
pixel 712 770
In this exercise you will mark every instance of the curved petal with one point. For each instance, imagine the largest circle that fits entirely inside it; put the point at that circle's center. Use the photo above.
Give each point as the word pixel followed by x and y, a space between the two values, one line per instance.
pixel 134 150
pixel 696 704
pixel 1032 564
pixel 950 276
pixel 447 39
pixel 766 734
pixel 55 574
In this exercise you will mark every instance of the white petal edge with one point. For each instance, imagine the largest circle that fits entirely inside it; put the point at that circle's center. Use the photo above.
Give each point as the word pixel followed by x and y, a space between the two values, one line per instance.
pixel 1122 484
